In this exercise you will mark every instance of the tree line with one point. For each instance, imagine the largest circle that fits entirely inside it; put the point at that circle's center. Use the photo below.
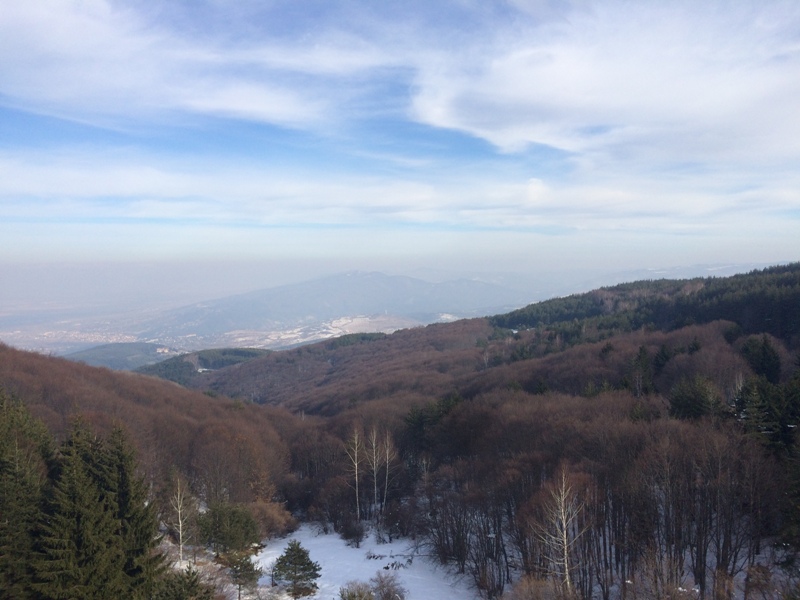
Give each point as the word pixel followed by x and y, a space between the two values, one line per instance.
pixel 762 301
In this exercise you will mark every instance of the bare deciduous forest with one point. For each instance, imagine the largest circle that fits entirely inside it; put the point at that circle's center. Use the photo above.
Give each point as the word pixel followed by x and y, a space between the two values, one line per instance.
pixel 628 443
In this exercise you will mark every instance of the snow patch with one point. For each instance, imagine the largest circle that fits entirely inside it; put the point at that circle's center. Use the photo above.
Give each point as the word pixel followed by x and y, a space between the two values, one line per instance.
pixel 340 563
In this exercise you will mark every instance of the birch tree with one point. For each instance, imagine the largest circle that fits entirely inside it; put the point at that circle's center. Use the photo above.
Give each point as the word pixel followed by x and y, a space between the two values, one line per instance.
pixel 183 513
pixel 356 455
pixel 380 456
pixel 561 529
pixel 374 456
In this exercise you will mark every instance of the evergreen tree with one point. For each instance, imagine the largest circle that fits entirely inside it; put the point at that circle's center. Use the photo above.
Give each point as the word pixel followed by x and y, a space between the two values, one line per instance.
pixel 244 573
pixel 228 527
pixel 80 555
pixel 296 568
pixel 642 375
pixel 25 448
pixel 763 358
pixel 694 398
pixel 136 518
pixel 183 585
pixel 770 411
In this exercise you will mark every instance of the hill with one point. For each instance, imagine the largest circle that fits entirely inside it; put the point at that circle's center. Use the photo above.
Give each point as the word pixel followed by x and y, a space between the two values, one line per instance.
pixel 123 356
pixel 765 300
pixel 601 330
pixel 352 302
pixel 185 368
pixel 171 426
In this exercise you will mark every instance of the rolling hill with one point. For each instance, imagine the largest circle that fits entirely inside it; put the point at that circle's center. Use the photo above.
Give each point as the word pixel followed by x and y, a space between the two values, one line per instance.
pixel 534 348
pixel 123 356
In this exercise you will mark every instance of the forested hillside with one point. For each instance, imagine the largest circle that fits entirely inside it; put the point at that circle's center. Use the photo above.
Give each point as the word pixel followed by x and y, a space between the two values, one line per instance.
pixel 185 368
pixel 594 456
pixel 576 345
pixel 766 301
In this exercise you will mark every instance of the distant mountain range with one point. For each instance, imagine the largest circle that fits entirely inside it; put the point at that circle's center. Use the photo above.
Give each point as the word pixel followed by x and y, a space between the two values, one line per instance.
pixel 354 294
pixel 290 315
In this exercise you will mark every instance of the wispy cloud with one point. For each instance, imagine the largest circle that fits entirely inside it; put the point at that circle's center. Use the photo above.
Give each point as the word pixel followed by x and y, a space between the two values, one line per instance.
pixel 678 117
pixel 673 81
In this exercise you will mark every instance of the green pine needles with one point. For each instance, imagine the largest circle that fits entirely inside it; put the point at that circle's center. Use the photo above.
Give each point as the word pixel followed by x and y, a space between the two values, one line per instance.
pixel 296 568
pixel 76 522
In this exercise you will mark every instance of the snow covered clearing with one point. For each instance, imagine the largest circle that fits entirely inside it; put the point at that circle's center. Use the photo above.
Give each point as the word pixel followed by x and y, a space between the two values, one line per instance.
pixel 421 576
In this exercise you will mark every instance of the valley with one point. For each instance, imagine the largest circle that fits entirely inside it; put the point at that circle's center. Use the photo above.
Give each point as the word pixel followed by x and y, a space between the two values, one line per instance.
pixel 651 423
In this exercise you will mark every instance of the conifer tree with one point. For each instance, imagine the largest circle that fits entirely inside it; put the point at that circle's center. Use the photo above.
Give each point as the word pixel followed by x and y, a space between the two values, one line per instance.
pixel 296 568
pixel 692 398
pixel 136 519
pixel 25 448
pixel 763 358
pixel 228 527
pixel 244 573
pixel 80 556
pixel 183 585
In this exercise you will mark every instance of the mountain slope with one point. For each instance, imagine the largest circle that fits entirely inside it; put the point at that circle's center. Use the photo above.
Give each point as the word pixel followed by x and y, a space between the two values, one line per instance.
pixel 125 356
pixel 185 368
pixel 766 300
pixel 573 345
pixel 329 298
pixel 170 425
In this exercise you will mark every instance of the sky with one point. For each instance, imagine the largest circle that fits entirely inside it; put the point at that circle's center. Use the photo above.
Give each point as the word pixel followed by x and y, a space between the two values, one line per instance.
pixel 257 142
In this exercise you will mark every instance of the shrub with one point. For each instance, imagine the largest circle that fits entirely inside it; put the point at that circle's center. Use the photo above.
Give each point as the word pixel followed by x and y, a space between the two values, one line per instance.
pixel 356 590
pixel 272 518
pixel 385 586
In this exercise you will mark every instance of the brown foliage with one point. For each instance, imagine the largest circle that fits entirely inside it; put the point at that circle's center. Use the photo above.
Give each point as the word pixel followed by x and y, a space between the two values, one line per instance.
pixel 170 426
pixel 273 519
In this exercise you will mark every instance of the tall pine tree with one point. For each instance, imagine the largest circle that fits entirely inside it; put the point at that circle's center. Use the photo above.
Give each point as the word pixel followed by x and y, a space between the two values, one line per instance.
pixel 137 523
pixel 80 554
pixel 25 448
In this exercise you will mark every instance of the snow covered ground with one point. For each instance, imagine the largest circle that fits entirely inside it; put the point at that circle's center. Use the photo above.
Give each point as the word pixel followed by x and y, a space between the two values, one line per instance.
pixel 423 578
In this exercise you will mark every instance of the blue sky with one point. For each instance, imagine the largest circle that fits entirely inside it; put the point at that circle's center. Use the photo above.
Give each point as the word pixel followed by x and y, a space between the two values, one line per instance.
pixel 360 134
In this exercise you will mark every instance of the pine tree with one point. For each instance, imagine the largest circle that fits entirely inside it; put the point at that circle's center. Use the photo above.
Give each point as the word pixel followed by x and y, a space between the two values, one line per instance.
pixel 25 448
pixel 137 523
pixel 228 527
pixel 80 556
pixel 183 585
pixel 760 405
pixel 296 568
pixel 763 358
pixel 692 398
pixel 244 573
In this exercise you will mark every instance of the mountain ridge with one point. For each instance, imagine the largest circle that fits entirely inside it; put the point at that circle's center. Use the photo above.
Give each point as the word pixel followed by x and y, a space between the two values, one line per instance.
pixel 457 356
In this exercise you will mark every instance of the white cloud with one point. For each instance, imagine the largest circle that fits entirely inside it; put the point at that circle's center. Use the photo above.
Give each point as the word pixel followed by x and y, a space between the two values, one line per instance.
pixel 608 80
pixel 95 60
pixel 676 117
pixel 671 81
pixel 130 189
